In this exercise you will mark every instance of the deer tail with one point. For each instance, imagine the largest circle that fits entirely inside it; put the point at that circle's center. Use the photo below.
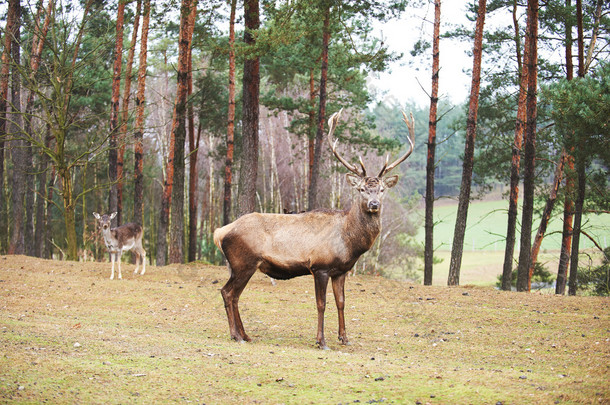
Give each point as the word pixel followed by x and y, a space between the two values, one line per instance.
pixel 219 234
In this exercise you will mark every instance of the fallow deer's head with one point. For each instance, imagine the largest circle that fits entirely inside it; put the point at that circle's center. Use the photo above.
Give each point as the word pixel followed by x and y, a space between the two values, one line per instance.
pixel 104 220
pixel 371 189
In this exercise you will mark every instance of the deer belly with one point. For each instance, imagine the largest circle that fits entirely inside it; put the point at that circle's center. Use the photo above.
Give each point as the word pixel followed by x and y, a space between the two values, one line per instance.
pixel 129 245
pixel 283 269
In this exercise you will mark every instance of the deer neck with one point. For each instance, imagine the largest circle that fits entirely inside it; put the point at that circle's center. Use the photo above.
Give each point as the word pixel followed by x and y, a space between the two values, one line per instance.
pixel 362 227
pixel 109 237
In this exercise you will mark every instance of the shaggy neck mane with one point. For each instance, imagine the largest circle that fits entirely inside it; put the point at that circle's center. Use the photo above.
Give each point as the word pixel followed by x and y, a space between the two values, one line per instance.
pixel 361 228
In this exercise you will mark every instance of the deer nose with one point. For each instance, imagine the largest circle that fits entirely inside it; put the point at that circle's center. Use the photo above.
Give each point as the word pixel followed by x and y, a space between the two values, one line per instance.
pixel 374 206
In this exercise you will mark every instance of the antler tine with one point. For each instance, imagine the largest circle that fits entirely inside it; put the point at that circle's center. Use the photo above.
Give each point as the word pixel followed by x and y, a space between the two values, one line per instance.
pixel 411 138
pixel 332 123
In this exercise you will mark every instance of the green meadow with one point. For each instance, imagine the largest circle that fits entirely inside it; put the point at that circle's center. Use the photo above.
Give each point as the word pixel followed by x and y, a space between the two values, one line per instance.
pixel 485 239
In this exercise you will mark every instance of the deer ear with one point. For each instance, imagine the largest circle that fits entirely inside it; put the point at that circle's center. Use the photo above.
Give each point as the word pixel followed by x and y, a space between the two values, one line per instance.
pixel 353 180
pixel 96 215
pixel 391 181
pixel 113 215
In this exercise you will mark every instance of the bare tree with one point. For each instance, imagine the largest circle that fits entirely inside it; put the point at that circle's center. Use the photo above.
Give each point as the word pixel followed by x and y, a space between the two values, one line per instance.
pixel 431 163
pixel 251 89
pixel 138 198
pixel 315 172
pixel 529 157
pixel 471 127
pixel 226 216
pixel 114 113
pixel 513 199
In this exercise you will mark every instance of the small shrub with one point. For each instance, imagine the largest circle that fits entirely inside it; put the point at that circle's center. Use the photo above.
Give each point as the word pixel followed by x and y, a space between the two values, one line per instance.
pixel 541 277
pixel 596 280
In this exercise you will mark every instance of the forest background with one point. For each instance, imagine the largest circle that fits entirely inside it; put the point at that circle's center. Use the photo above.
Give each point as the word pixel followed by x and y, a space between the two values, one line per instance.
pixel 135 107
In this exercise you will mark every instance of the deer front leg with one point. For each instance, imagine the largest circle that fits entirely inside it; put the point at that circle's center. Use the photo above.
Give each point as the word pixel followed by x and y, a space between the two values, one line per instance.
pixel 118 260
pixel 321 282
pixel 339 291
pixel 112 261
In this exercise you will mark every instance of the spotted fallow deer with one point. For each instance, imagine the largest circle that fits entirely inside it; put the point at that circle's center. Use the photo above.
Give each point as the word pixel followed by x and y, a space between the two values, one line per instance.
pixel 124 237
pixel 324 243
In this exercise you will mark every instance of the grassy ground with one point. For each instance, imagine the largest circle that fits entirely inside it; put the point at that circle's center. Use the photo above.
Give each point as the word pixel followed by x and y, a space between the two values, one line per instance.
pixel 70 335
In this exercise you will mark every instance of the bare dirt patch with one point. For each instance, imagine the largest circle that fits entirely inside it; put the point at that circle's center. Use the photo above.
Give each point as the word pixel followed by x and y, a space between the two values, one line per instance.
pixel 68 334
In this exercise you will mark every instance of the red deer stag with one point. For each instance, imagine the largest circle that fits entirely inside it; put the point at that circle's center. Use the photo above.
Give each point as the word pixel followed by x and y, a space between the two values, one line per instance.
pixel 325 243
pixel 124 237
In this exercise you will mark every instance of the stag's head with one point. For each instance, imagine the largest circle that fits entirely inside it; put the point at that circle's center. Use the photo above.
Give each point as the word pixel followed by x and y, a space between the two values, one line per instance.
pixel 104 220
pixel 371 188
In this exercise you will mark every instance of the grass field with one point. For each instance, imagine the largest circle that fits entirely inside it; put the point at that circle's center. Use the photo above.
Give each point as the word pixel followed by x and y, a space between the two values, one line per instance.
pixel 70 335
pixel 485 238
pixel 486 227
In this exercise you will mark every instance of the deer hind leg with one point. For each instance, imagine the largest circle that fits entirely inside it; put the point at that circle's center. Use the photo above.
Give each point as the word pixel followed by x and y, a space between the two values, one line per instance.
pixel 141 254
pixel 137 261
pixel 339 291
pixel 321 283
pixel 230 294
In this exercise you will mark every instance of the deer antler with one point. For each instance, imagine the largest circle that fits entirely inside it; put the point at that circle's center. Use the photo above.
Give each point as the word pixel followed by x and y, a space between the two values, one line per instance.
pixel 332 123
pixel 411 138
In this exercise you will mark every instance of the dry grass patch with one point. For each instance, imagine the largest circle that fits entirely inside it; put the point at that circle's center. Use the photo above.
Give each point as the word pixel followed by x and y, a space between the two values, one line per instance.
pixel 68 334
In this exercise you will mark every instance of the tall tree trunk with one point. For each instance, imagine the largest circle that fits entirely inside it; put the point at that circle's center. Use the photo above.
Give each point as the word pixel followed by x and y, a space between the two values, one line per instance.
pixel 568 205
pixel 431 163
pixel 311 129
pixel 471 127
pixel 18 179
pixel 530 147
pixel 251 82
pixel 11 21
pixel 314 184
pixel 138 198
pixel 228 180
pixel 580 167
pixel 580 200
pixel 41 221
pixel 114 114
pixel 513 200
pixel 122 136
pixel 176 235
pixel 546 216
pixel 193 173
pixel 48 246
pixel 38 39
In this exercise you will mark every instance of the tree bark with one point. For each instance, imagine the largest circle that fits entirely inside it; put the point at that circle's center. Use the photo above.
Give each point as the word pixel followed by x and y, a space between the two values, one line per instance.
pixel 580 200
pixel 176 235
pixel 311 130
pixel 431 161
pixel 314 184
pixel 471 126
pixel 114 114
pixel 513 200
pixel 193 174
pixel 11 21
pixel 546 216
pixel 251 83
pixel 18 179
pixel 138 198
pixel 122 136
pixel 530 147
pixel 228 180
pixel 568 205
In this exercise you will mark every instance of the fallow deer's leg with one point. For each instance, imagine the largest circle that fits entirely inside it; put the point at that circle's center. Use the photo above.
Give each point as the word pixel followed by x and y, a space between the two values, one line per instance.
pixel 321 283
pixel 112 261
pixel 135 251
pixel 143 259
pixel 118 260
pixel 338 290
